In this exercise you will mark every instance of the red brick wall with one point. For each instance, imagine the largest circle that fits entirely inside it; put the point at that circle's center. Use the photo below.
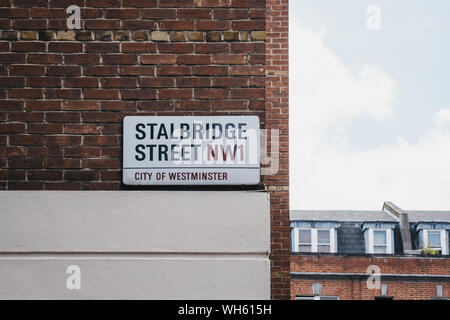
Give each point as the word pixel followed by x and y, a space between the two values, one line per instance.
pixel 64 93
pixel 356 288
pixel 277 117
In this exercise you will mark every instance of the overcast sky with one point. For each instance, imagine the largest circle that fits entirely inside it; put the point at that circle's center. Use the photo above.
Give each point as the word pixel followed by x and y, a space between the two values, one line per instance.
pixel 369 107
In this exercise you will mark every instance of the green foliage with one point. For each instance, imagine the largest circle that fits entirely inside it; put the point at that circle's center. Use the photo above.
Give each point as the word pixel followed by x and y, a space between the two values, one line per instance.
pixel 430 251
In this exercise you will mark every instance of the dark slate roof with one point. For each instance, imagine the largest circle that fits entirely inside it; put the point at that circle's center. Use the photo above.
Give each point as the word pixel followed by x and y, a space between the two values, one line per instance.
pixel 428 216
pixel 341 215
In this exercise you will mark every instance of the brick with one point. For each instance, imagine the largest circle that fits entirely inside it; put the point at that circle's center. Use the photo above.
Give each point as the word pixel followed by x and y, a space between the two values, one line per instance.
pixel 10 35
pixel 204 93
pixel 139 3
pixel 178 36
pixel 26 116
pixel 82 152
pixel 212 3
pixel 102 47
pixel 248 47
pixel 44 58
pixel 63 117
pixel 29 24
pixel 158 13
pixel 196 36
pixel 156 105
pixel 137 71
pixel 100 70
pixel 118 105
pixel 12 58
pixel 63 70
pixel 175 94
pixel 231 59
pixel 159 59
pixel 12 127
pixel 26 140
pixel 48 13
pixel 82 82
pixel 231 14
pixel 139 25
pixel 231 36
pixel 100 116
pixel 212 47
pixel 65 47
pixel 175 47
pixel 248 25
pixel 258 35
pixel 176 3
pixel 157 82
pixel 65 35
pixel 160 36
pixel 141 94
pixel 186 25
pixel 25 93
pixel 25 46
pixel 119 83
pixel 214 36
pixel 230 82
pixel 120 59
pixel 62 140
pixel 61 163
pixel 121 36
pixel 138 47
pixel 210 70
pixel 48 82
pixel 14 13
pixel 193 105
pixel 195 14
pixel 192 82
pixel 57 93
pixel 122 13
pixel 84 36
pixel 45 175
pixel 28 35
pixel 194 59
pixel 45 128
pixel 173 71
pixel 111 175
pixel 11 105
pixel 25 163
pixel 213 25
pixel 247 70
pixel 46 35
pixel 103 35
pixel 12 81
pixel 140 36
pixel 229 104
pixel 101 163
pixel 81 175
pixel 81 105
pixel 101 94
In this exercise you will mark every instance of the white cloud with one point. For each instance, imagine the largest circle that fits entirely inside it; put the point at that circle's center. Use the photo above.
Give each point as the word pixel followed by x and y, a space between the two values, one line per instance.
pixel 326 172
pixel 442 117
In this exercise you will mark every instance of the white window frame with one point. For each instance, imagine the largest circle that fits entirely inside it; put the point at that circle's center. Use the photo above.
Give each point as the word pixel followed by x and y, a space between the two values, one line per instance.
pixel 314 239
pixel 389 240
pixel 443 234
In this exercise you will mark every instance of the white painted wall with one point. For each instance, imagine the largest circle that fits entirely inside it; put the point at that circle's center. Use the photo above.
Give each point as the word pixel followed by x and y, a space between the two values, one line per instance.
pixel 135 244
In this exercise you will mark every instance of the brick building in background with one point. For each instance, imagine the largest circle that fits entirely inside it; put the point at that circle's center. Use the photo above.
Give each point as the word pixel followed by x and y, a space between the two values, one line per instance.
pixel 64 93
pixel 334 253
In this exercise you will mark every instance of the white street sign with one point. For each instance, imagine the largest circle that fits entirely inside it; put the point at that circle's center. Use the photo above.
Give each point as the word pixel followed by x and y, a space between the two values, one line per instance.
pixel 210 150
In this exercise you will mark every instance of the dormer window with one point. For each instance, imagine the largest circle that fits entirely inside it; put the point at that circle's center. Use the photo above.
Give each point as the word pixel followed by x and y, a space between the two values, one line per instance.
pixel 379 237
pixel 436 240
pixel 315 240
pixel 380 241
